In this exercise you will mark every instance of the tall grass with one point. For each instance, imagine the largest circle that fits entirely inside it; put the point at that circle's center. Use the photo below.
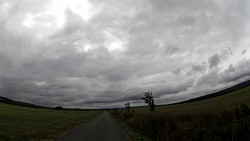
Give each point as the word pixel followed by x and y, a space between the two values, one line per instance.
pixel 229 125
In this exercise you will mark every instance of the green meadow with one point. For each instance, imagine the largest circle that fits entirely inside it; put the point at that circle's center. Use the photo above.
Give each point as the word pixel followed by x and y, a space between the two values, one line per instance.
pixel 227 101
pixel 225 117
pixel 32 124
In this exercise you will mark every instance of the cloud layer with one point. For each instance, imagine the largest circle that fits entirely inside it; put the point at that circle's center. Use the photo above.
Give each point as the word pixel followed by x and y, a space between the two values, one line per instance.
pixel 52 54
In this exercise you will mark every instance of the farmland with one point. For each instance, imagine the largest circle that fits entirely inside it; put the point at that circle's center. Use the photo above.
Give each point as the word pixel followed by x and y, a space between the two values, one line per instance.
pixel 225 117
pixel 23 123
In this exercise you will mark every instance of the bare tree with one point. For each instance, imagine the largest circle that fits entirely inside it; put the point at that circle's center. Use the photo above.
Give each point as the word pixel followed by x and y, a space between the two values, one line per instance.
pixel 149 100
pixel 127 106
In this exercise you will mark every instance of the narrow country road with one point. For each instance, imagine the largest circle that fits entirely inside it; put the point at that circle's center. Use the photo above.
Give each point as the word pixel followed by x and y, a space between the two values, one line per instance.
pixel 103 128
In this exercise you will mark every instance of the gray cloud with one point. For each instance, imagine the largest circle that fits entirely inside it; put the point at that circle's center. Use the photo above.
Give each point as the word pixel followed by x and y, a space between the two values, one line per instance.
pixel 231 74
pixel 198 68
pixel 244 51
pixel 240 71
pixel 214 60
pixel 52 55
pixel 217 58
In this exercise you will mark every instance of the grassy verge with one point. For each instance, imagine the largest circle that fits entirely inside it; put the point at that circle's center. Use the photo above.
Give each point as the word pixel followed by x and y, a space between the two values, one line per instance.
pixel 22 123
pixel 134 136
pixel 225 125
pixel 221 118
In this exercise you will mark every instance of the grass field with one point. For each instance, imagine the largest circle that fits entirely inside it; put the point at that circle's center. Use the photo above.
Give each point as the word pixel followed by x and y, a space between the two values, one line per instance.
pixel 31 124
pixel 223 102
pixel 226 117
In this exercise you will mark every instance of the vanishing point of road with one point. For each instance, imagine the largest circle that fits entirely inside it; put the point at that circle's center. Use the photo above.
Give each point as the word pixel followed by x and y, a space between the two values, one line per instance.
pixel 102 128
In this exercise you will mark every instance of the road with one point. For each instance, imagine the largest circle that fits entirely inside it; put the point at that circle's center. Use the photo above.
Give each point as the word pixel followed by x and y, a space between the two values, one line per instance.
pixel 102 128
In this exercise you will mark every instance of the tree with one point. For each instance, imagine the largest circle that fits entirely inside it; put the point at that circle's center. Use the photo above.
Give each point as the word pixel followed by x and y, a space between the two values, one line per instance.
pixel 149 100
pixel 59 108
pixel 127 106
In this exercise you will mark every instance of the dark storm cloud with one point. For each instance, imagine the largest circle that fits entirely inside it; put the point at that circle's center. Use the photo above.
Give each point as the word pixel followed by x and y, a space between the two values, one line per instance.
pixel 176 49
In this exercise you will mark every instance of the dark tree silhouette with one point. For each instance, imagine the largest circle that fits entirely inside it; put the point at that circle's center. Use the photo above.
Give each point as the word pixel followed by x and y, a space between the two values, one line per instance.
pixel 149 100
pixel 127 107
pixel 59 108
pixel 115 110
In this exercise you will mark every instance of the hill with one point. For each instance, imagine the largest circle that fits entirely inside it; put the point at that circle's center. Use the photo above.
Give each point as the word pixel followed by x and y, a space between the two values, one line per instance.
pixel 219 93
pixel 224 115
pixel 19 103
pixel 225 99
pixel 215 103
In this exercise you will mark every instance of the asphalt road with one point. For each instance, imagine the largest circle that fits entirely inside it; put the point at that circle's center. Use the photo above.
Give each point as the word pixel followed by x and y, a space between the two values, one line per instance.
pixel 103 128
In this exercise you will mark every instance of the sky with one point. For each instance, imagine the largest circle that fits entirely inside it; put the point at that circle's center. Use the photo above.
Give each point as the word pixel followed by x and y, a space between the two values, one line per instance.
pixel 105 53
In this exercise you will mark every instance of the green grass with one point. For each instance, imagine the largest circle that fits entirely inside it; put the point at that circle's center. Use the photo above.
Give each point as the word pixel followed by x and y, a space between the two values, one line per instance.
pixel 225 117
pixel 226 101
pixel 133 136
pixel 31 124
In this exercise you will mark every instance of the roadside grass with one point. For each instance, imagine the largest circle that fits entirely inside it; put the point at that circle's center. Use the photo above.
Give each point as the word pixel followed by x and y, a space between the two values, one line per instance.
pixel 220 118
pixel 133 136
pixel 32 124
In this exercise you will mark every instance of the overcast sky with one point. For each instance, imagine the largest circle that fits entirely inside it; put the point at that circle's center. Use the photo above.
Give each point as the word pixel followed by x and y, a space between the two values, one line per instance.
pixel 104 53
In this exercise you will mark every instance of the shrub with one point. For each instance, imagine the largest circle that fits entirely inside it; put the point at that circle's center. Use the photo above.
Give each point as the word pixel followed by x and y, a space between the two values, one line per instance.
pixel 59 108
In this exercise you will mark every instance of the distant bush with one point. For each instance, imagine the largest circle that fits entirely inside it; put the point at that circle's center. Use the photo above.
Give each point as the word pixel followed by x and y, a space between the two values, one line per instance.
pixel 59 108
pixel 233 125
